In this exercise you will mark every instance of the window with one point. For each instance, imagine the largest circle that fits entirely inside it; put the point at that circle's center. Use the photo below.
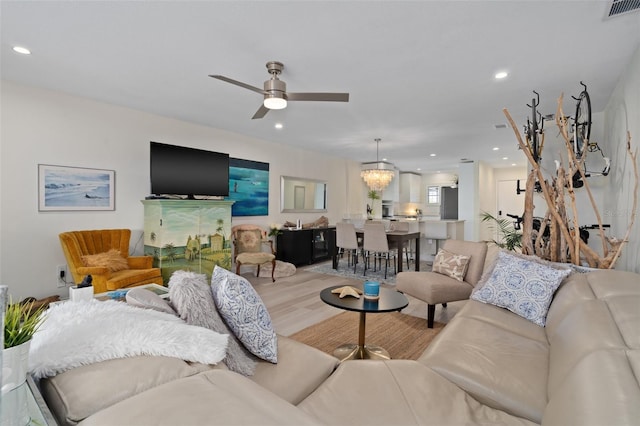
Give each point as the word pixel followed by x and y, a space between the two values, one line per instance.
pixel 433 195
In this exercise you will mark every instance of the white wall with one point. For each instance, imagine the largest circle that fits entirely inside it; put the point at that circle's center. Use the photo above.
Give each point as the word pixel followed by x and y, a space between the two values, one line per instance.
pixel 468 204
pixel 44 127
pixel 486 200
pixel 621 114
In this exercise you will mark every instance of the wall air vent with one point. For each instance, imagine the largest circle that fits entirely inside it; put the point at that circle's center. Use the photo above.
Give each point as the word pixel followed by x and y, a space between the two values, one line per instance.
pixel 619 7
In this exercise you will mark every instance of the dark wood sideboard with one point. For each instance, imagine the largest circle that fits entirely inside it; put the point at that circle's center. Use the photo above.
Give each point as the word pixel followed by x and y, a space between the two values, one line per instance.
pixel 306 246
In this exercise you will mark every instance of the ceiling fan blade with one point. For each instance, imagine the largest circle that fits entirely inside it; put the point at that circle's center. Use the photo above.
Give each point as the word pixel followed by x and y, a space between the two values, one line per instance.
pixel 261 112
pixel 329 97
pixel 238 83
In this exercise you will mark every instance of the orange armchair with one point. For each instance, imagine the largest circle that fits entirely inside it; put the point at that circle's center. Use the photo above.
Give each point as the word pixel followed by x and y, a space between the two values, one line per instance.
pixel 138 270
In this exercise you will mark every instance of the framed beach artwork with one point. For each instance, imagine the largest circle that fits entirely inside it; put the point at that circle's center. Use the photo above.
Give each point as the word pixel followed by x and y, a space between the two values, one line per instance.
pixel 248 187
pixel 63 188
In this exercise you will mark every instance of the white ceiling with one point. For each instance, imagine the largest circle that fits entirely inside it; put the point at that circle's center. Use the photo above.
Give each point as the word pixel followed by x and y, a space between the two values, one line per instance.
pixel 419 73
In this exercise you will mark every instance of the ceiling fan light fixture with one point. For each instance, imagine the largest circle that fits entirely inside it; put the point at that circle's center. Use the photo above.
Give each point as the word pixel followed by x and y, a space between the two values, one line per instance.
pixel 274 102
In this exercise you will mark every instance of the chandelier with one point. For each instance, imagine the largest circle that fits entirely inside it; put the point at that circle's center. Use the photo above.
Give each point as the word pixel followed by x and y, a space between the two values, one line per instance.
pixel 379 174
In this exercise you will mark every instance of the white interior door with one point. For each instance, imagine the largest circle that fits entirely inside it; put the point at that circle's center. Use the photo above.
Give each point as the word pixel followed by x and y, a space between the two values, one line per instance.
pixel 508 200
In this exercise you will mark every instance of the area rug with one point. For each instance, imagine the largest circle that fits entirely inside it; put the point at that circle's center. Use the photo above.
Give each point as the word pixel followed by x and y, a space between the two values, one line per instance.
pixel 403 336
pixel 347 271
pixel 283 269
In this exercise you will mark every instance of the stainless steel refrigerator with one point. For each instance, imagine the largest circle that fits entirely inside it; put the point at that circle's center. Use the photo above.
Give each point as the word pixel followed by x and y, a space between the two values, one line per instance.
pixel 448 203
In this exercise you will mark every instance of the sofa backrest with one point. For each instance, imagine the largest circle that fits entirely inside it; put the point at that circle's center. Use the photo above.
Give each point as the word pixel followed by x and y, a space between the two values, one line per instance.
pixel 477 251
pixel 594 350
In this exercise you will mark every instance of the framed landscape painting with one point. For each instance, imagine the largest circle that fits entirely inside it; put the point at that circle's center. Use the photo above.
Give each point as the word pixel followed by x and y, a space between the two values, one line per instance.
pixel 62 188
pixel 248 187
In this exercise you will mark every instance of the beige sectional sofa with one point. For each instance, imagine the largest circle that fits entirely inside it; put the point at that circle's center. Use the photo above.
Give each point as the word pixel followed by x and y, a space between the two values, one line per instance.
pixel 488 366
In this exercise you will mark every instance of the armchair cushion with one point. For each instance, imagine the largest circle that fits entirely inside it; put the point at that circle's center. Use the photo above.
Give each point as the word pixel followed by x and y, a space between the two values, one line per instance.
pixel 111 259
pixel 432 287
pixel 254 258
pixel 451 264
pixel 248 240
pixel 130 278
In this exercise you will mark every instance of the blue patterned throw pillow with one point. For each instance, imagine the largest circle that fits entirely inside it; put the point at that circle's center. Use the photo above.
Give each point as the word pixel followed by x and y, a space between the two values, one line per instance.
pixel 245 313
pixel 522 286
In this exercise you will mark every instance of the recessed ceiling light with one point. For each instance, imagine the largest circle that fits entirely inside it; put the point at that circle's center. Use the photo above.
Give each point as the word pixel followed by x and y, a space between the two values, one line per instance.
pixel 418 169
pixel 500 75
pixel 513 164
pixel 505 158
pixel 495 148
pixel 22 50
pixel 432 155
pixel 278 126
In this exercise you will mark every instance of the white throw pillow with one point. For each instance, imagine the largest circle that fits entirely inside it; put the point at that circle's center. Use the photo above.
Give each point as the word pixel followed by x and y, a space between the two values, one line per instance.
pixel 245 313
pixel 523 286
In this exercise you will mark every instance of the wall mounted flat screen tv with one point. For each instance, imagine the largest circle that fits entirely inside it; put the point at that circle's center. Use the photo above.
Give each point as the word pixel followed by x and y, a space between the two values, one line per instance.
pixel 188 172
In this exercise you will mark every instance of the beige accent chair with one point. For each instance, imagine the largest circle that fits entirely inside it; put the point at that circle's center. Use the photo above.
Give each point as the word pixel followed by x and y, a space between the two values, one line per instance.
pixel 376 244
pixel 347 242
pixel 247 248
pixel 435 288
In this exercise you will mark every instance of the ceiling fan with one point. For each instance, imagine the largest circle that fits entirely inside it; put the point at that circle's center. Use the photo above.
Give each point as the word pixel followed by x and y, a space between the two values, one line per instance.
pixel 275 91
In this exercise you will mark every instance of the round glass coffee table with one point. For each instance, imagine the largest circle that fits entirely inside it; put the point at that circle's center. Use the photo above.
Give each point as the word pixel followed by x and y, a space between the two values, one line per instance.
pixel 389 301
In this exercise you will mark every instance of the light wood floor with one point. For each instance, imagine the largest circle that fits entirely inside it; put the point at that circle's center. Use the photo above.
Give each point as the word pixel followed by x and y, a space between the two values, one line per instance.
pixel 294 302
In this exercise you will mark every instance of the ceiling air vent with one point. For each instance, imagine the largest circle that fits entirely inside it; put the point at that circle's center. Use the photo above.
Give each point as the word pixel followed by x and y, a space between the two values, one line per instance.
pixel 500 126
pixel 619 7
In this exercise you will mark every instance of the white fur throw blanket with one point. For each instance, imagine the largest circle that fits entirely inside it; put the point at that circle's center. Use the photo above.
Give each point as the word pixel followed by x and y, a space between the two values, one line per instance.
pixel 82 333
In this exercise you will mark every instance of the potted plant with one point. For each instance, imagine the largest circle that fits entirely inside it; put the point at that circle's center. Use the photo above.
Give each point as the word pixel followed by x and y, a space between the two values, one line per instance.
pixel 373 195
pixel 508 237
pixel 274 230
pixel 21 321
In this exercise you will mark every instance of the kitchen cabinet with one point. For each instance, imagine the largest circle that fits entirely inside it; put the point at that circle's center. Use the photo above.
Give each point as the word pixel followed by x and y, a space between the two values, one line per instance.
pixel 305 246
pixel 192 235
pixel 410 185
pixel 392 192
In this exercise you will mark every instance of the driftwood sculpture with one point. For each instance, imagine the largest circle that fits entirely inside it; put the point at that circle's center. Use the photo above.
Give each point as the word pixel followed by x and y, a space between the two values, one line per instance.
pixel 563 243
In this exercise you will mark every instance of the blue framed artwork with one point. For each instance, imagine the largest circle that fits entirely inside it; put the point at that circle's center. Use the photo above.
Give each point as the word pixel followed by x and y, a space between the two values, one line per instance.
pixel 62 188
pixel 248 187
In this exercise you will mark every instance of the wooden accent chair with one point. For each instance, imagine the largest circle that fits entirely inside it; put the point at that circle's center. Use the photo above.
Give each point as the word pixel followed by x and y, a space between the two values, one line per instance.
pixel 134 271
pixel 247 248
pixel 435 288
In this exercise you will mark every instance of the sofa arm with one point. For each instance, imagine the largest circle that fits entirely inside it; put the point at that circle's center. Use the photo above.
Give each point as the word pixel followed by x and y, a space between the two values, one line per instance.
pixel 140 262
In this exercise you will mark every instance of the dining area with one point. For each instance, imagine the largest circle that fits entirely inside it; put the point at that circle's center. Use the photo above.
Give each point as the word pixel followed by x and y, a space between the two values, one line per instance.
pixel 373 245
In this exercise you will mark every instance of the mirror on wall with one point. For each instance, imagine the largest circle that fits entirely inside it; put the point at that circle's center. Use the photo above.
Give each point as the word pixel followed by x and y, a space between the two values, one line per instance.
pixel 300 195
